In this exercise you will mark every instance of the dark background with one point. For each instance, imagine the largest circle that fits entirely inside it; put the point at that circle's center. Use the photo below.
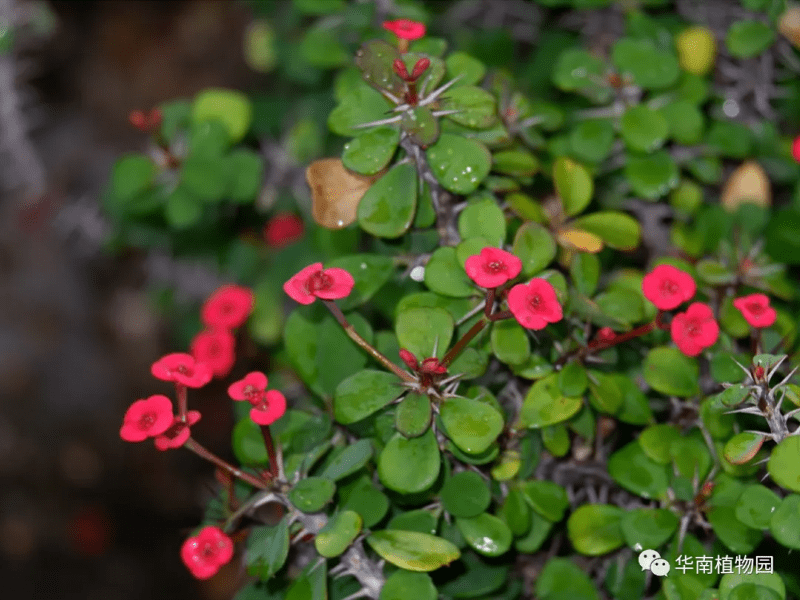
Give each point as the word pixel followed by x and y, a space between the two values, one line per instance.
pixel 82 514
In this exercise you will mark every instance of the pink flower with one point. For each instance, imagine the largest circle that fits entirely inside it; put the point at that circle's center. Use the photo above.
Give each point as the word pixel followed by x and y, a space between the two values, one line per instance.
pixel 314 282
pixel 268 406
pixel 694 329
pixel 796 149
pixel 667 287
pixel 493 267
pixel 178 432
pixel 215 348
pixel 405 29
pixel 181 368
pixel 146 418
pixel 756 310
pixel 227 308
pixel 534 305
pixel 283 229
pixel 205 553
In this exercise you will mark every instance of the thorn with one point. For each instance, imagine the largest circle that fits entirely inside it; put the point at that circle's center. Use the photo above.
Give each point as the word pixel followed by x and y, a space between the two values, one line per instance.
pixel 381 122
pixel 742 367
pixel 750 410
pixel 436 93
pixel 451 379
pixel 775 367
pixel 443 113
pixel 791 413
pixel 362 593
pixel 300 534
pixel 389 96
pixel 785 379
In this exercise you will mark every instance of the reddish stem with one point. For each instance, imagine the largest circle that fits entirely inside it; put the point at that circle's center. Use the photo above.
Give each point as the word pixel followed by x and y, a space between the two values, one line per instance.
pixel 183 402
pixel 273 458
pixel 461 344
pixel 203 452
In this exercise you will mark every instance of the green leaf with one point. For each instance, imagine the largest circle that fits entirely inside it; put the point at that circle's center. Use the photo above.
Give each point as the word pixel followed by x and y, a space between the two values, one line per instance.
pixel 418 330
pixel 643 129
pixel 623 305
pixel 365 499
pixel 516 512
pixel 322 47
pixel 358 106
pixel 388 206
pixel 594 529
pixel 470 424
pixel 364 393
pixel 685 122
pixel 746 39
pixel 544 405
pixel 585 272
pixel 267 549
pixel 182 209
pixel 458 163
pixel 742 447
pixel 518 163
pixel 632 469
pixel 476 107
pixel 735 535
pixel 669 371
pixel 605 393
pixel 785 522
pixel 312 493
pixel 648 527
pixel 370 272
pixel 535 247
pixel 206 179
pixel 752 591
pixel 245 173
pixel 652 176
pixel 420 125
pixel 375 58
pixel 415 520
pixel 729 582
pixel 486 534
pixel 577 70
pixel 445 275
pixel 133 174
pixel 573 184
pixel 412 550
pixel 649 67
pixel 616 229
pixel 784 464
pixel 483 218
pixel 409 465
pixel 591 140
pixel 349 460
pixel 729 138
pixel 402 585
pixel 338 533
pixel 510 342
pixel 635 408
pixel 230 107
pixel 561 579
pixel 657 440
pixel 248 443
pixel 547 498
pixel 319 7
pixel 470 69
pixel 756 506
pixel 465 494
pixel 412 417
pixel 371 151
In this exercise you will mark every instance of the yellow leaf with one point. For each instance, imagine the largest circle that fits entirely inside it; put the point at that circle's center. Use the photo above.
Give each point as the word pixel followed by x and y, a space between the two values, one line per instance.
pixel 335 192
pixel 576 239
pixel 748 183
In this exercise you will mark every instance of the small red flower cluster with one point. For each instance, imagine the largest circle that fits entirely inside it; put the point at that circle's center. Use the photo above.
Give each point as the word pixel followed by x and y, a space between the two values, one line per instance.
pixel 429 366
pixel 693 330
pixel 268 406
pixel 405 29
pixel 206 552
pixel 756 310
pixel 282 230
pixel 145 122
pixel 153 418
pixel 225 309
pixel 420 66
pixel 315 282
pixel 533 305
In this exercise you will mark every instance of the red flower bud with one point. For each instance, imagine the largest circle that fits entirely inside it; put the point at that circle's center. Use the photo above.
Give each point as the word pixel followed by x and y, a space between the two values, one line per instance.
pixel 433 366
pixel 419 68
pixel 138 119
pixel 408 358
pixel 399 67
pixel 606 334
pixel 758 372
pixel 154 118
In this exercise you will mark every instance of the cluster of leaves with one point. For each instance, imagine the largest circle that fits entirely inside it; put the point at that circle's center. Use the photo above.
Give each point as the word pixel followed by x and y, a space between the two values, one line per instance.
pixel 634 446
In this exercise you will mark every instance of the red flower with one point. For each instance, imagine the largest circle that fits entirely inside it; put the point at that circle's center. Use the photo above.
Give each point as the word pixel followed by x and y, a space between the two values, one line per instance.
pixel 314 282
pixel 534 305
pixel 181 368
pixel 606 334
pixel 227 308
pixel 205 553
pixel 252 384
pixel 756 310
pixel 667 287
pixel 409 358
pixel 405 29
pixel 694 329
pixel 796 148
pixel 215 348
pixel 493 267
pixel 178 431
pixel 268 407
pixel 433 366
pixel 146 418
pixel 283 229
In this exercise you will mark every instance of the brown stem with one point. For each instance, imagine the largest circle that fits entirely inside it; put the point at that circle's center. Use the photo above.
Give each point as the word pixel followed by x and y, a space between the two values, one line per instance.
pixel 273 458
pixel 503 314
pixel 461 344
pixel 203 452
pixel 411 93
pixel 353 335
pixel 183 402
pixel 489 305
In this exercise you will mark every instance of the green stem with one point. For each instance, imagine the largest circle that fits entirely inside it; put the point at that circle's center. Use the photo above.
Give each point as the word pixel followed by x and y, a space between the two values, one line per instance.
pixel 273 458
pixel 370 349
pixel 203 452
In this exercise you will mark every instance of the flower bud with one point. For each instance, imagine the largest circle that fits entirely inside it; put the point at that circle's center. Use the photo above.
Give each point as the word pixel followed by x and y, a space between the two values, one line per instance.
pixel 419 68
pixel 399 67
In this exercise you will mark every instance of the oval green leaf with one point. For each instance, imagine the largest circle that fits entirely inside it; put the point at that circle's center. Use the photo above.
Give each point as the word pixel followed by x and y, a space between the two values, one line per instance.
pixel 470 424
pixel 409 465
pixel 412 550
pixel 364 393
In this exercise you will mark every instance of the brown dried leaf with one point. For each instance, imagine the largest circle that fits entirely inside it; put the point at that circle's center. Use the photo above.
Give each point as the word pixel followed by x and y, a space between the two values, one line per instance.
pixel 335 192
pixel 748 183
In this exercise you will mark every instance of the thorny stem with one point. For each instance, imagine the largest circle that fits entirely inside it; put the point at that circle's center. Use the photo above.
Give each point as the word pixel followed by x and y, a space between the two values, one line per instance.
pixel 203 452
pixel 353 335
pixel 273 458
